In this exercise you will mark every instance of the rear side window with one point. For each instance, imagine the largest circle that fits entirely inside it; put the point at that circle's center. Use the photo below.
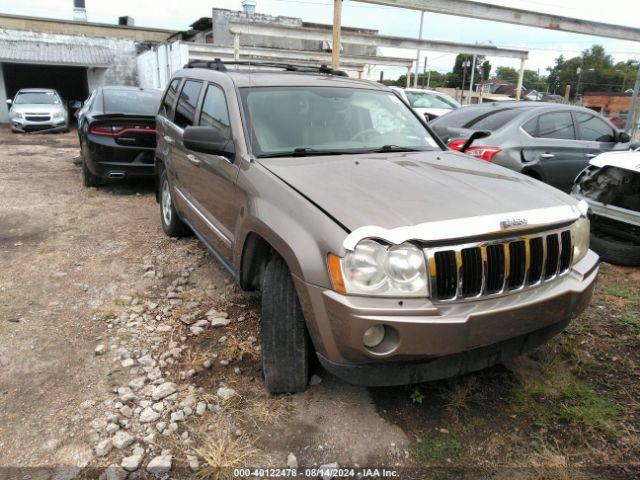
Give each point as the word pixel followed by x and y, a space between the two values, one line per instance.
pixel 169 99
pixel 556 125
pixel 137 102
pixel 187 102
pixel 594 129
pixel 214 111
pixel 494 121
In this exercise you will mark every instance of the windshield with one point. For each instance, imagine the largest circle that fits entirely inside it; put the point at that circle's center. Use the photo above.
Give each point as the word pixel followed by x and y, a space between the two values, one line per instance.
pixel 37 98
pixel 138 102
pixel 330 120
pixel 430 100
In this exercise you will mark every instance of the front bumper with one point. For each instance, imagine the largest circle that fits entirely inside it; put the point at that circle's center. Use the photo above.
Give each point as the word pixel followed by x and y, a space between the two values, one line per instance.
pixel 433 341
pixel 26 126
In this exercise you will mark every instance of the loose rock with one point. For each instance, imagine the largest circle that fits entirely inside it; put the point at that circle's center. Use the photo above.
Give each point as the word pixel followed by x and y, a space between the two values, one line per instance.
pixel 160 464
pixel 122 440
pixel 164 390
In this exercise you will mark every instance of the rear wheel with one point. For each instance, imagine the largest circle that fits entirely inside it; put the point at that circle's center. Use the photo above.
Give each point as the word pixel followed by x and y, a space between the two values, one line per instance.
pixel 88 178
pixel 172 225
pixel 286 347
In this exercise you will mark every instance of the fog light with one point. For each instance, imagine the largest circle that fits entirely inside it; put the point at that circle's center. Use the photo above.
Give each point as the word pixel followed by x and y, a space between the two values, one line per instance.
pixel 373 336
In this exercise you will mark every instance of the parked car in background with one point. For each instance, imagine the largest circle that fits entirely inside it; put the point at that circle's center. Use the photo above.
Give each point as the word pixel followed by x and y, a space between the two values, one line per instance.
pixel 546 141
pixel 428 103
pixel 376 250
pixel 38 110
pixel 611 187
pixel 117 132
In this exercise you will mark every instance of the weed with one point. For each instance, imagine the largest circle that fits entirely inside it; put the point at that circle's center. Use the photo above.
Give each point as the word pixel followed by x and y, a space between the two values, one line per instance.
pixel 417 396
pixel 222 455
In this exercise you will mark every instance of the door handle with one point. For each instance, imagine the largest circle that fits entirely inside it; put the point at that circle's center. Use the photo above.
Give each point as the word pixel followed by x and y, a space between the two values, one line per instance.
pixel 193 159
pixel 169 140
pixel 547 155
pixel 591 155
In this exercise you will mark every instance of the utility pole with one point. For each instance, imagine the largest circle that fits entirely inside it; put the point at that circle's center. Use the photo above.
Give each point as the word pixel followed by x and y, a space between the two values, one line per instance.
pixel 473 71
pixel 465 62
pixel 424 73
pixel 415 80
pixel 632 123
pixel 337 25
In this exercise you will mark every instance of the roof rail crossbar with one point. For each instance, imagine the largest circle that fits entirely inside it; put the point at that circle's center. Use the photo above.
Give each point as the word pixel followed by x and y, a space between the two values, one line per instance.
pixel 220 65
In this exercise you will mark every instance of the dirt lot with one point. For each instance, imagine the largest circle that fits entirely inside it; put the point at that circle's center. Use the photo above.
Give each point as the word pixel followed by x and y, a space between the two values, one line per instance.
pixel 108 359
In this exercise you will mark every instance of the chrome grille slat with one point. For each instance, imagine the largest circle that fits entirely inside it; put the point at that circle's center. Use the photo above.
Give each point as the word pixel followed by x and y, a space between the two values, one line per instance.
pixel 492 268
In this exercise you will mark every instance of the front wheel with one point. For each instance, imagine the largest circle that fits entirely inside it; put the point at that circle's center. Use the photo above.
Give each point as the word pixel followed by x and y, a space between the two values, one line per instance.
pixel 286 347
pixel 615 251
pixel 172 225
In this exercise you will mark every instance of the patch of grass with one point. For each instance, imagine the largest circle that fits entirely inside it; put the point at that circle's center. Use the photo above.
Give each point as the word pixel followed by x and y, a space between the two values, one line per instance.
pixel 463 393
pixel 621 290
pixel 437 448
pixel 557 396
pixel 629 320
pixel 222 455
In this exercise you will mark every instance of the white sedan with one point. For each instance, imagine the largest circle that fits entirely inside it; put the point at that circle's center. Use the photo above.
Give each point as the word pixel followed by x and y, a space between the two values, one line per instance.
pixel 430 103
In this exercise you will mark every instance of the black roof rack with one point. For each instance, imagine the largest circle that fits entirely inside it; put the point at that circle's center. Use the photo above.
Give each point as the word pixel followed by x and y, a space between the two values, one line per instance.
pixel 221 66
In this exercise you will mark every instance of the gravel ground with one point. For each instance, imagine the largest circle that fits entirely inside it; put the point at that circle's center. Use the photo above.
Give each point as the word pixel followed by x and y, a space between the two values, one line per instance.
pixel 127 353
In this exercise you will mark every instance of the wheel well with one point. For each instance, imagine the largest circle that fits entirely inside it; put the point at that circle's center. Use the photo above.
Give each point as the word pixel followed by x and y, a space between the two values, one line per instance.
pixel 255 255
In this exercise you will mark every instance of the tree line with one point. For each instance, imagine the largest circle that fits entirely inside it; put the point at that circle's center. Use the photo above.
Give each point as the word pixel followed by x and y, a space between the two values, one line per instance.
pixel 592 71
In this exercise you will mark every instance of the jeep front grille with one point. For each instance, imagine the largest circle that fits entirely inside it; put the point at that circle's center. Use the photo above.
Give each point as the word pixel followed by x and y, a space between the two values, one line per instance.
pixel 496 267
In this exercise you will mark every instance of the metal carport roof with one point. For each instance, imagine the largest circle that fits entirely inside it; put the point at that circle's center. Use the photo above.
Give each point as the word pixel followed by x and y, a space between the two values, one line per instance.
pixel 40 52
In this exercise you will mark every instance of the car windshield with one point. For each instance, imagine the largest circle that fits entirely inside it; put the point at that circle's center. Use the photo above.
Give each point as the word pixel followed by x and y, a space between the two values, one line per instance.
pixel 430 100
pixel 287 121
pixel 137 102
pixel 37 98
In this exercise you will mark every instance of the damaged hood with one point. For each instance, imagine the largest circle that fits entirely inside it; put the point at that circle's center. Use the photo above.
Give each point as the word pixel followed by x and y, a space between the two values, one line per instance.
pixel 392 190
pixel 627 160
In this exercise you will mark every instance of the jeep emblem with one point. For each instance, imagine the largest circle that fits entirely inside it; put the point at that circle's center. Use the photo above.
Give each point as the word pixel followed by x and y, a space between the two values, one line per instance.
pixel 513 222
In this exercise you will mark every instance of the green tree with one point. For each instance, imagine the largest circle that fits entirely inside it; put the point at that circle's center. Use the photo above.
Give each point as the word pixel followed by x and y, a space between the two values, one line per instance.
pixel 461 73
pixel 509 74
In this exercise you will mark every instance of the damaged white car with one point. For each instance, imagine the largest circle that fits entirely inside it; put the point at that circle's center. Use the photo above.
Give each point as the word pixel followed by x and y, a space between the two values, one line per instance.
pixel 611 187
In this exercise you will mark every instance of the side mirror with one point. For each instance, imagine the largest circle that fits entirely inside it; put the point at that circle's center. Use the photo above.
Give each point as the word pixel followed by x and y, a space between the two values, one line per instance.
pixel 9 101
pixel 208 140
pixel 624 137
pixel 76 104
pixel 474 136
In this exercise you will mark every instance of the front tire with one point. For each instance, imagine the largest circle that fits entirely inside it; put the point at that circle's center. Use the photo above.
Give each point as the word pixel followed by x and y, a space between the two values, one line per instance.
pixel 615 251
pixel 286 346
pixel 172 225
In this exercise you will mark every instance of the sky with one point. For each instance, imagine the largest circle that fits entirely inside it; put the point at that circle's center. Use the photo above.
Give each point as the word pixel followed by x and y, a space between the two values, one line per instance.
pixel 543 45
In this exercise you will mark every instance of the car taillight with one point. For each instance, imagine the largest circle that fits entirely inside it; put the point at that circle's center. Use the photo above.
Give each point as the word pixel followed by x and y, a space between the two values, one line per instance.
pixel 457 144
pixel 483 153
pixel 116 129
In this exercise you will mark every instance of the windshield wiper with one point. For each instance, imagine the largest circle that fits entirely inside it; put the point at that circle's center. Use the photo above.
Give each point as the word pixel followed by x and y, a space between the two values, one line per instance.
pixel 394 148
pixel 304 152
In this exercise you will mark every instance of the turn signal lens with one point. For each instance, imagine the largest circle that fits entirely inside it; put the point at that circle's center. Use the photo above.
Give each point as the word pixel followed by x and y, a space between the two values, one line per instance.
pixel 335 270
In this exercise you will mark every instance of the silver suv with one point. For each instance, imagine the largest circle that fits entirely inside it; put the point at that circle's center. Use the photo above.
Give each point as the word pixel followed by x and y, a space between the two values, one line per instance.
pixel 38 109
pixel 377 251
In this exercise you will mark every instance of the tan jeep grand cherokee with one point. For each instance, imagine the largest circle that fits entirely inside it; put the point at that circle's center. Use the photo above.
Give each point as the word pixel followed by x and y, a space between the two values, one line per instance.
pixel 390 258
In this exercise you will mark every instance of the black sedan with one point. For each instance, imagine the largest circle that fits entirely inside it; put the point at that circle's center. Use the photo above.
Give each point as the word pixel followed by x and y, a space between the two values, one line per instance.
pixel 117 132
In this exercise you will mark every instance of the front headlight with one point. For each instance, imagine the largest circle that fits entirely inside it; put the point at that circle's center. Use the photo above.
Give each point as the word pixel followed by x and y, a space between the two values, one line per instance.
pixel 580 238
pixel 58 114
pixel 13 114
pixel 375 269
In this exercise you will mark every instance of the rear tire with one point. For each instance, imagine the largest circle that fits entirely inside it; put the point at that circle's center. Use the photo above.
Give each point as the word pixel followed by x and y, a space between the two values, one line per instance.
pixel 172 225
pixel 286 347
pixel 88 178
pixel 615 251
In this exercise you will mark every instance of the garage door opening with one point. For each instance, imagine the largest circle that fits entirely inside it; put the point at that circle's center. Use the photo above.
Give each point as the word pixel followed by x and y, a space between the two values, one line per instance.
pixel 70 82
